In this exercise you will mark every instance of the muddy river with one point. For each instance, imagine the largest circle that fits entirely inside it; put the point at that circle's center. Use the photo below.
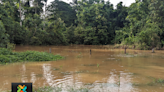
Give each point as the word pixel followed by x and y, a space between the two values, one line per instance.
pixel 104 70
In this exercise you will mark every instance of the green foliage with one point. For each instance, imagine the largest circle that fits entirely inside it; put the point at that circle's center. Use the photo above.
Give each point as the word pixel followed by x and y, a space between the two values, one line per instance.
pixel 144 29
pixel 95 22
pixel 6 14
pixel 38 56
pixel 79 36
pixel 69 34
pixel 7 56
pixel 55 33
pixel 82 22
pixel 90 22
pixel 98 65
pixel 160 81
pixel 3 36
pixel 60 9
pixel 156 82
pixel 10 46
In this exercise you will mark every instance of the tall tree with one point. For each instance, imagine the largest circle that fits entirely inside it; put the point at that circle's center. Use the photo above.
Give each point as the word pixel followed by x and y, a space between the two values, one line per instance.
pixel 60 9
pixel 3 36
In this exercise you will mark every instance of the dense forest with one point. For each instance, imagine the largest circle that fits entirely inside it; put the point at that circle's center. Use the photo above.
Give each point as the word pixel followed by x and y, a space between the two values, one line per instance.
pixel 89 22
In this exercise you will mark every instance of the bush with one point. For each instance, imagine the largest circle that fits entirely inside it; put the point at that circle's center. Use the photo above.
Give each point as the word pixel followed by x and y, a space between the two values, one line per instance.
pixel 4 51
pixel 38 56
pixel 7 56
pixel 142 46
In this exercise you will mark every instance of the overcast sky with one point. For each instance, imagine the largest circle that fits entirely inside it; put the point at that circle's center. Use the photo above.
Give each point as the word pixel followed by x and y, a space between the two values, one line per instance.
pixel 114 2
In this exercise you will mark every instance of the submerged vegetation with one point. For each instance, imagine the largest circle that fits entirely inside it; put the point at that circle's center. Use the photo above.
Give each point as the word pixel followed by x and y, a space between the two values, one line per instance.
pixel 7 56
pixel 155 82
pixel 60 89
pixel 98 65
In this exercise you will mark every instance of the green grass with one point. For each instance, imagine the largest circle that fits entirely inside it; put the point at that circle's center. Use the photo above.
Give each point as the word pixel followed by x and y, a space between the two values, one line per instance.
pixel 98 65
pixel 46 89
pixel 7 56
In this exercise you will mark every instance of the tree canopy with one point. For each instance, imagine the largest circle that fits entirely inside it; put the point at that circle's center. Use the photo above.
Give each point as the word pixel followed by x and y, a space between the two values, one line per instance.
pixel 90 22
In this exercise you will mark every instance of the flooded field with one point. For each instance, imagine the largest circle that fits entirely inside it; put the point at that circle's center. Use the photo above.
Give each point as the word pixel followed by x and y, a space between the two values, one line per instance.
pixel 105 70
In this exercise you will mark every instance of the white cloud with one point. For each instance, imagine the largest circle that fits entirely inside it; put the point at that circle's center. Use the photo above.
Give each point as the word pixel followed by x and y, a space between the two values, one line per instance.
pixel 125 2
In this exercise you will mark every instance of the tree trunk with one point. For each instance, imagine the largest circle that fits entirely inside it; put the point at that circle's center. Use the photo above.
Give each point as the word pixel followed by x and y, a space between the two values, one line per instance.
pixel 36 5
pixel 20 12
pixel 125 49
pixel 134 47
pixel 44 15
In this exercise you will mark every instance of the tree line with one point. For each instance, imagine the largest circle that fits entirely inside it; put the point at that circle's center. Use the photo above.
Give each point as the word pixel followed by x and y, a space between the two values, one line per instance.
pixel 89 22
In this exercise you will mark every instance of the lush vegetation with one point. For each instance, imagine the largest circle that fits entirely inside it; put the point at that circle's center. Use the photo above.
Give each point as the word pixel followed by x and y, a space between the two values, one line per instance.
pixel 90 22
pixel 7 56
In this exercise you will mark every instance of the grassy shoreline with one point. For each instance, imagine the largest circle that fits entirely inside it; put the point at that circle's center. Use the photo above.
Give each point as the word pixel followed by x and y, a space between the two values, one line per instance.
pixel 7 56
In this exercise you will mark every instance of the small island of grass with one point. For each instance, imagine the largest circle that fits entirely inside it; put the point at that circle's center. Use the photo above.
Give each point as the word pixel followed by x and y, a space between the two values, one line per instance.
pixel 7 56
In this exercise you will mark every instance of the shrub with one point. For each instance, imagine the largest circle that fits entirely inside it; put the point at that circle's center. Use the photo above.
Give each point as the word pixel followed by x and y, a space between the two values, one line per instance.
pixel 7 56
pixel 4 51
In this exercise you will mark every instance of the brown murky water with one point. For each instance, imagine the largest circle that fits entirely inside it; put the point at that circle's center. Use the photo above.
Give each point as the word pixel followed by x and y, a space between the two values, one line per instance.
pixel 101 71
